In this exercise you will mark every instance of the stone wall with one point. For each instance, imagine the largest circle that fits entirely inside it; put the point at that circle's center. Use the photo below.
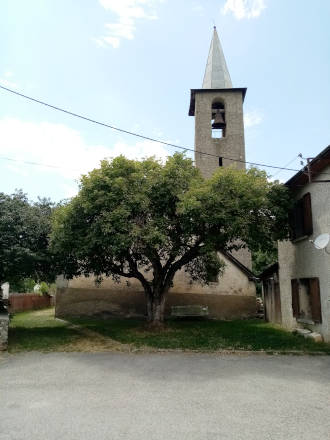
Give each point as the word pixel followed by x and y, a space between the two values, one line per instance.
pixel 4 324
pixel 232 282
pixel 98 301
pixel 232 145
pixel 232 296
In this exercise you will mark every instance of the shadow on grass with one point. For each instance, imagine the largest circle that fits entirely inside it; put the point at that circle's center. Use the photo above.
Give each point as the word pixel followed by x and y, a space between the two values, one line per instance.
pixel 40 338
pixel 38 330
pixel 204 335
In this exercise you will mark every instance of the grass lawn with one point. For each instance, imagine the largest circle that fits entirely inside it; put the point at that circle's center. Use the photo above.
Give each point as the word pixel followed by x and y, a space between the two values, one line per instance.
pixel 38 330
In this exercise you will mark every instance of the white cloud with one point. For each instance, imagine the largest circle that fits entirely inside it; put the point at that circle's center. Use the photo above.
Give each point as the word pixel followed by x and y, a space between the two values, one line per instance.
pixel 127 12
pixel 6 80
pixel 7 83
pixel 198 8
pixel 244 8
pixel 252 118
pixel 63 147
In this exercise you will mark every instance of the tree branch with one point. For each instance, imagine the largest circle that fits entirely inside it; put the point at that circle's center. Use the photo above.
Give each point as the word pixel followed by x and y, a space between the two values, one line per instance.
pixel 186 258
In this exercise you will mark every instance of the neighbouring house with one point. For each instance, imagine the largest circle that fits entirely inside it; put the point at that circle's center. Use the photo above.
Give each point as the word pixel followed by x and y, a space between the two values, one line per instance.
pixel 297 289
pixel 219 130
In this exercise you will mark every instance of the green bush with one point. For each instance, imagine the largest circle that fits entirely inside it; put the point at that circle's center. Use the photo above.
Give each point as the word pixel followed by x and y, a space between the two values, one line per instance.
pixel 44 287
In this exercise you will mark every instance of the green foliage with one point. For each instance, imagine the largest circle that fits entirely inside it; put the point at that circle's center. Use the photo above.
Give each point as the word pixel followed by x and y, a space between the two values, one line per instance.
pixel 25 285
pixel 44 287
pixel 24 237
pixel 131 215
pixel 263 258
pixel 205 268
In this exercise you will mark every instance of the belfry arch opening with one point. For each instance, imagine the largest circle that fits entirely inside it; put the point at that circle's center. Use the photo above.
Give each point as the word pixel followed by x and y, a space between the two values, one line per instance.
pixel 218 119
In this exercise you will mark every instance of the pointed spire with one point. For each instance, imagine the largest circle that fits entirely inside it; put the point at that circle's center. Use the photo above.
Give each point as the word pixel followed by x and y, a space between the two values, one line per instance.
pixel 216 73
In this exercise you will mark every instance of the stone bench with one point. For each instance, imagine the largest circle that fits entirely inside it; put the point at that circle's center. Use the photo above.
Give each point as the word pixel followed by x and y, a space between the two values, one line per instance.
pixel 195 310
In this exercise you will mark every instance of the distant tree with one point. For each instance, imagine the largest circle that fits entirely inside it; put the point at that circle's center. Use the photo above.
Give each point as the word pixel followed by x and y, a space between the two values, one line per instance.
pixel 147 221
pixel 24 238
pixel 23 285
pixel 44 288
pixel 263 258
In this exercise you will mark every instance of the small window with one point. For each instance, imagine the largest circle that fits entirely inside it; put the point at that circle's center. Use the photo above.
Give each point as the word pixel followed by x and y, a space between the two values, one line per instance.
pixel 300 218
pixel 220 162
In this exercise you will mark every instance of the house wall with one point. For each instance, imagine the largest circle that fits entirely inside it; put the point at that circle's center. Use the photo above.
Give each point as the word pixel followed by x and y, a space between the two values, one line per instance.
pixel 302 260
pixel 233 296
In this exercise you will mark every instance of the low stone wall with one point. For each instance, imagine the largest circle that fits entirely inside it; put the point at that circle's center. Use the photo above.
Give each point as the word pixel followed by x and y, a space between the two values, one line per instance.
pixel 19 302
pixel 4 324
pixel 89 302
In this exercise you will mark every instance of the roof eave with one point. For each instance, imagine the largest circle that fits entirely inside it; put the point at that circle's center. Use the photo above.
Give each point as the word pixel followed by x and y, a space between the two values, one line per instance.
pixel 251 276
pixel 316 165
pixel 194 91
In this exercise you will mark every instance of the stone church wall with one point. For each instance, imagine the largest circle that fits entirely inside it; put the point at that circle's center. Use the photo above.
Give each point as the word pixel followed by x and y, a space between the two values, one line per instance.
pixel 233 296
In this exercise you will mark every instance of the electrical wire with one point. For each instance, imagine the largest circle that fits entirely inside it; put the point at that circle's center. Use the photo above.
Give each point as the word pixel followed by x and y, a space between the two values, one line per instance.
pixel 28 162
pixel 94 121
pixel 286 165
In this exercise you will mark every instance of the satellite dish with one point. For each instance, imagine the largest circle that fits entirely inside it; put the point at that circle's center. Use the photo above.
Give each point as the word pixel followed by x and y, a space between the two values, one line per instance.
pixel 322 241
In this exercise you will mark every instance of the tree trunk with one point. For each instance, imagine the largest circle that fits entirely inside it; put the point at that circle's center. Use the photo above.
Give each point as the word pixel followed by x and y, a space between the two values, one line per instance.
pixel 156 310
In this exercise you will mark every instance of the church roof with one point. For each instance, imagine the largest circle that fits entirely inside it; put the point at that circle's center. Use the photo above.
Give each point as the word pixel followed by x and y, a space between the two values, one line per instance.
pixel 216 73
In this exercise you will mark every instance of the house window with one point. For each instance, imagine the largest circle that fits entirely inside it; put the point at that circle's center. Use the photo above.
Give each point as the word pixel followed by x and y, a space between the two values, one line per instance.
pixel 306 301
pixel 220 162
pixel 300 218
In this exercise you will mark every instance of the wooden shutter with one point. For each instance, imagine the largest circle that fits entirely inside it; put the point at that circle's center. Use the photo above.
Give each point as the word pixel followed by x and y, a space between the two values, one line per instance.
pixel 315 299
pixel 295 298
pixel 308 219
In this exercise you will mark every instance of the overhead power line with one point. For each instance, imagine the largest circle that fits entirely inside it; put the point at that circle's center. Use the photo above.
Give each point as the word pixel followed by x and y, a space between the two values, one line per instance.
pixel 103 124
pixel 28 162
pixel 286 165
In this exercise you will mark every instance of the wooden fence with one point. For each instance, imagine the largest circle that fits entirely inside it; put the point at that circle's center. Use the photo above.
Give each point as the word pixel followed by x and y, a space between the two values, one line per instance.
pixel 19 302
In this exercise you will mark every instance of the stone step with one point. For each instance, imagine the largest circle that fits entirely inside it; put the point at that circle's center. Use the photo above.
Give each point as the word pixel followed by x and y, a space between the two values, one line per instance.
pixel 302 331
pixel 316 337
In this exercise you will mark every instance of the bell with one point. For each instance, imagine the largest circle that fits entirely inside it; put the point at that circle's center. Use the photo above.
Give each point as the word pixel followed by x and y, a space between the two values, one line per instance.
pixel 219 121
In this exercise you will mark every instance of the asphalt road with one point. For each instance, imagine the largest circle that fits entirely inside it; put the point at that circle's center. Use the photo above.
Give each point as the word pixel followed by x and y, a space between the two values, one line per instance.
pixel 80 396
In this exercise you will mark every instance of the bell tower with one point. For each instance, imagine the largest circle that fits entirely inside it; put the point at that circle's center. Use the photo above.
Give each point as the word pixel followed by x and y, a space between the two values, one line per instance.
pixel 218 111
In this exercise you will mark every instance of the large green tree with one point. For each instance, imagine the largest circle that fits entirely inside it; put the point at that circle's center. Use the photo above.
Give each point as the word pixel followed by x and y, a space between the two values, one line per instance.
pixel 24 238
pixel 145 220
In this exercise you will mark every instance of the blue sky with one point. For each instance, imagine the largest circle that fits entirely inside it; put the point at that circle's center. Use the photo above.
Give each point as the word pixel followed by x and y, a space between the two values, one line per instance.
pixel 132 63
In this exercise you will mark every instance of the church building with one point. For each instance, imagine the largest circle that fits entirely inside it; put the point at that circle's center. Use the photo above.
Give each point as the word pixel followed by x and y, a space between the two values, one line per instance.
pixel 219 142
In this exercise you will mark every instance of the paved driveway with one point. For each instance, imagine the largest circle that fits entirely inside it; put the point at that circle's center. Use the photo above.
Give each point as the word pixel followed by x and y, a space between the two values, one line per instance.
pixel 79 396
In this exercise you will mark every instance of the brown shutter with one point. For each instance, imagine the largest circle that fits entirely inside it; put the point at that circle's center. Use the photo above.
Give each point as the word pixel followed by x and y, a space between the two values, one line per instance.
pixel 295 298
pixel 314 290
pixel 308 219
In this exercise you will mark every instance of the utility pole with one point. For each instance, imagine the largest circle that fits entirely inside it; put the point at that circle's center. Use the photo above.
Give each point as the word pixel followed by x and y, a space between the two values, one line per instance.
pixel 309 171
